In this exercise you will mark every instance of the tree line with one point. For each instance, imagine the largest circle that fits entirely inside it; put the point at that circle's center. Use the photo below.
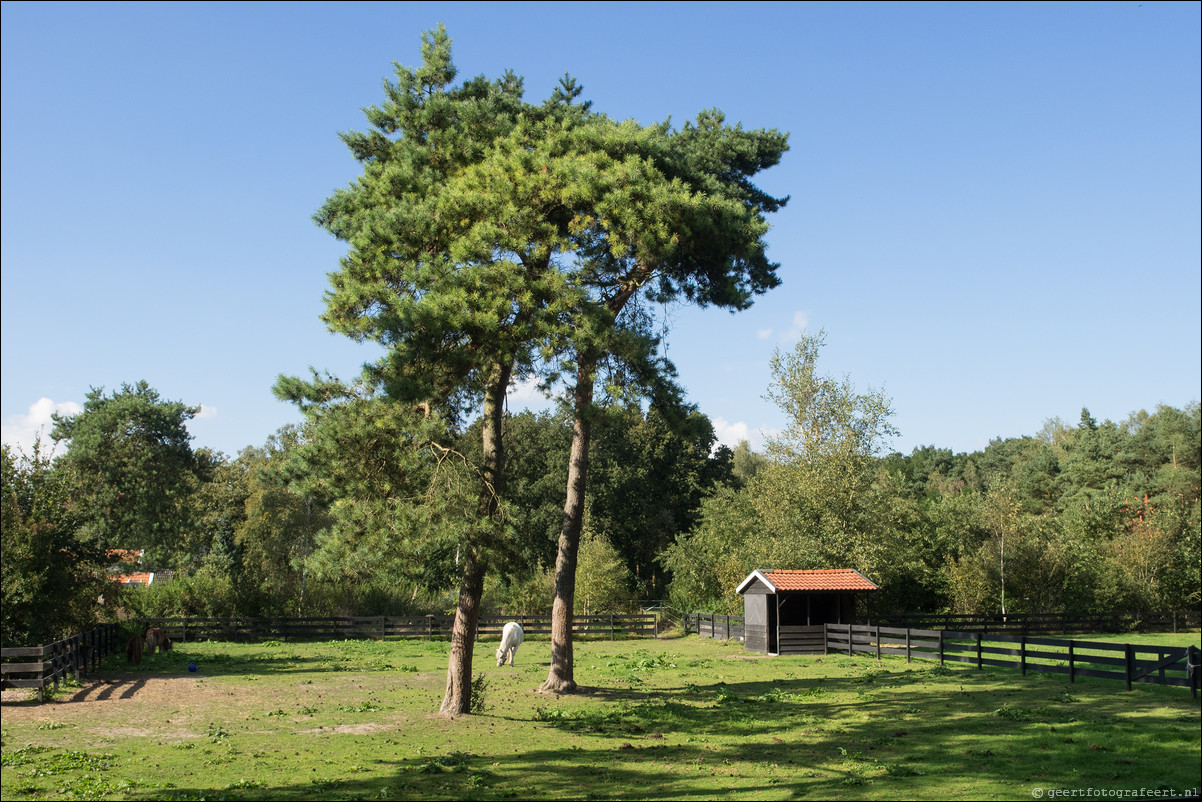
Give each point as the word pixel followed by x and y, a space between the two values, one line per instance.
pixel 1094 517
pixel 340 515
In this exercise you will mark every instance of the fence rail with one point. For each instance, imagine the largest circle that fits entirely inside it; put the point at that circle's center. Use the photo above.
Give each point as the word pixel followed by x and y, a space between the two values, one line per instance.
pixel 425 627
pixel 712 625
pixel 1162 665
pixel 41 666
pixel 1022 624
pixel 1049 623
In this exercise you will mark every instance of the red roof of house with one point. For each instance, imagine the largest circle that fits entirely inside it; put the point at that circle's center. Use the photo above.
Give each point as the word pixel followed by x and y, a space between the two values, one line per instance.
pixel 820 579
pixel 133 579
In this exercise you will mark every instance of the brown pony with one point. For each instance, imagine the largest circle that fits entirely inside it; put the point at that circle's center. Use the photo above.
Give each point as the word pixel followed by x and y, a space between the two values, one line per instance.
pixel 156 638
pixel 133 650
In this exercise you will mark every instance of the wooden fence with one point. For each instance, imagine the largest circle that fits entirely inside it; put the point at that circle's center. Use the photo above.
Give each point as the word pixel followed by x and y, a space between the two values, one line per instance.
pixel 425 627
pixel 1049 623
pixel 730 627
pixel 712 625
pixel 1162 665
pixel 40 666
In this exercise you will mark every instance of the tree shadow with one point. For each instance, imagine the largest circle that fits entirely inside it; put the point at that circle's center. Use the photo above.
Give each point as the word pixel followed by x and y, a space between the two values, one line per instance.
pixel 902 734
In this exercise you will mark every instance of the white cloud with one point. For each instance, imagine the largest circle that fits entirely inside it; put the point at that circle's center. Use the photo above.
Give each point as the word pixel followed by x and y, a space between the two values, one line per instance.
pixel 205 414
pixel 764 334
pixel 800 321
pixel 21 431
pixel 524 394
pixel 730 434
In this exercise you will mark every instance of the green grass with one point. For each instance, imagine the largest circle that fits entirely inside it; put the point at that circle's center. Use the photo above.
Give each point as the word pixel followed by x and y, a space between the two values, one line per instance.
pixel 1140 638
pixel 680 718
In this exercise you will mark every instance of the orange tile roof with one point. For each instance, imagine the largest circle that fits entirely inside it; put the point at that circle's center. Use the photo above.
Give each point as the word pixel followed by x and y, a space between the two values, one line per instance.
pixel 133 579
pixel 821 579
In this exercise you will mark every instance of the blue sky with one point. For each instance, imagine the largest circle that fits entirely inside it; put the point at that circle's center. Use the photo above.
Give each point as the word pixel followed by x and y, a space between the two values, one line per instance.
pixel 994 215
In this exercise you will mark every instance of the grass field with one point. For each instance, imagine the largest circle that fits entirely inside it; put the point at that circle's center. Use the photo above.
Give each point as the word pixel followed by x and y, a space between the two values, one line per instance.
pixel 674 718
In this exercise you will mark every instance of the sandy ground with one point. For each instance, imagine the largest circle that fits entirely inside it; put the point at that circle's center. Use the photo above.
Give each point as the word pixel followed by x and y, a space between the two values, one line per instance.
pixel 141 693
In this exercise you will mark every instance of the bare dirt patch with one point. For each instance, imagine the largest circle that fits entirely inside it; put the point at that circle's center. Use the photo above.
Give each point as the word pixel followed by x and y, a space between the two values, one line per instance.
pixel 355 729
pixel 139 693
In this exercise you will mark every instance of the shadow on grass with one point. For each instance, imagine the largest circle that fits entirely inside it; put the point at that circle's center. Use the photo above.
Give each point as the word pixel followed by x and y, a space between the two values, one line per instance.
pixel 938 733
pixel 219 663
pixel 101 690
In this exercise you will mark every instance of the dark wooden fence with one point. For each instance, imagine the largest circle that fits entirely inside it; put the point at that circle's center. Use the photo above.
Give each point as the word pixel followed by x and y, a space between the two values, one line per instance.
pixel 425 627
pixel 1162 665
pixel 728 627
pixel 40 666
pixel 712 625
pixel 1048 624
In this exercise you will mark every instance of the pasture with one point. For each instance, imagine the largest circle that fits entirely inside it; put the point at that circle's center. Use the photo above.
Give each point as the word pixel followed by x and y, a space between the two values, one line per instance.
pixel 674 718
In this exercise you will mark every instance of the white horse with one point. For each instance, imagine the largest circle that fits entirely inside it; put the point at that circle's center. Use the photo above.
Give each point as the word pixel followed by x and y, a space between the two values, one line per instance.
pixel 511 638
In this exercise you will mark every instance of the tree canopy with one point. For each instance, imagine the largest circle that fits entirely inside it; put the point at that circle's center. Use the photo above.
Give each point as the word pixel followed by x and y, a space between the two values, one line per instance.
pixel 134 458
pixel 491 238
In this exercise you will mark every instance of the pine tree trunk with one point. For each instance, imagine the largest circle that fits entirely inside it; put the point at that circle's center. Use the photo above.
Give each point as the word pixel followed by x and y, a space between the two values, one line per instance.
pixel 457 700
pixel 560 679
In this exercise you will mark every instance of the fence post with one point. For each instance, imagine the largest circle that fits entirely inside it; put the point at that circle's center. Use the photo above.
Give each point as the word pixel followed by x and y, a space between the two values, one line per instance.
pixel 42 675
pixel 611 626
pixel 941 647
pixel 1022 653
pixel 1072 664
pixel 54 661
pixel 878 643
pixel 907 644
pixel 1192 669
pixel 1129 653
pixel 980 662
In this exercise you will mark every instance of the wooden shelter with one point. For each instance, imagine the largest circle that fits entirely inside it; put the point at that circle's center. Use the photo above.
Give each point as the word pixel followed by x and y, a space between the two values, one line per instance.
pixel 784 611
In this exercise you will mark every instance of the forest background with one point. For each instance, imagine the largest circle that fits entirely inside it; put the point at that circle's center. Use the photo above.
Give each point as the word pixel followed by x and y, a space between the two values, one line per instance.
pixel 1091 516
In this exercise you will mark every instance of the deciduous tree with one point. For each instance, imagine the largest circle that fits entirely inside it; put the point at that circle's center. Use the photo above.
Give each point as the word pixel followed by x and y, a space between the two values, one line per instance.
pixel 54 567
pixel 134 458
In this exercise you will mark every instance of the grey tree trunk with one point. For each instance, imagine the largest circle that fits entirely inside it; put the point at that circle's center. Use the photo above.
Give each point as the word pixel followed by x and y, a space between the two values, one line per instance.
pixel 561 679
pixel 458 698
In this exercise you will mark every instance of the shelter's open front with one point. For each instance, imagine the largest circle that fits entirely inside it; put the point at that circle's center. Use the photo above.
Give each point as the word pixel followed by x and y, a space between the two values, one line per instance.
pixel 784 611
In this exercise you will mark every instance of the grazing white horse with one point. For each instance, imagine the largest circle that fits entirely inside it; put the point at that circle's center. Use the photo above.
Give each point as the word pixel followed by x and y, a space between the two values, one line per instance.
pixel 511 638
